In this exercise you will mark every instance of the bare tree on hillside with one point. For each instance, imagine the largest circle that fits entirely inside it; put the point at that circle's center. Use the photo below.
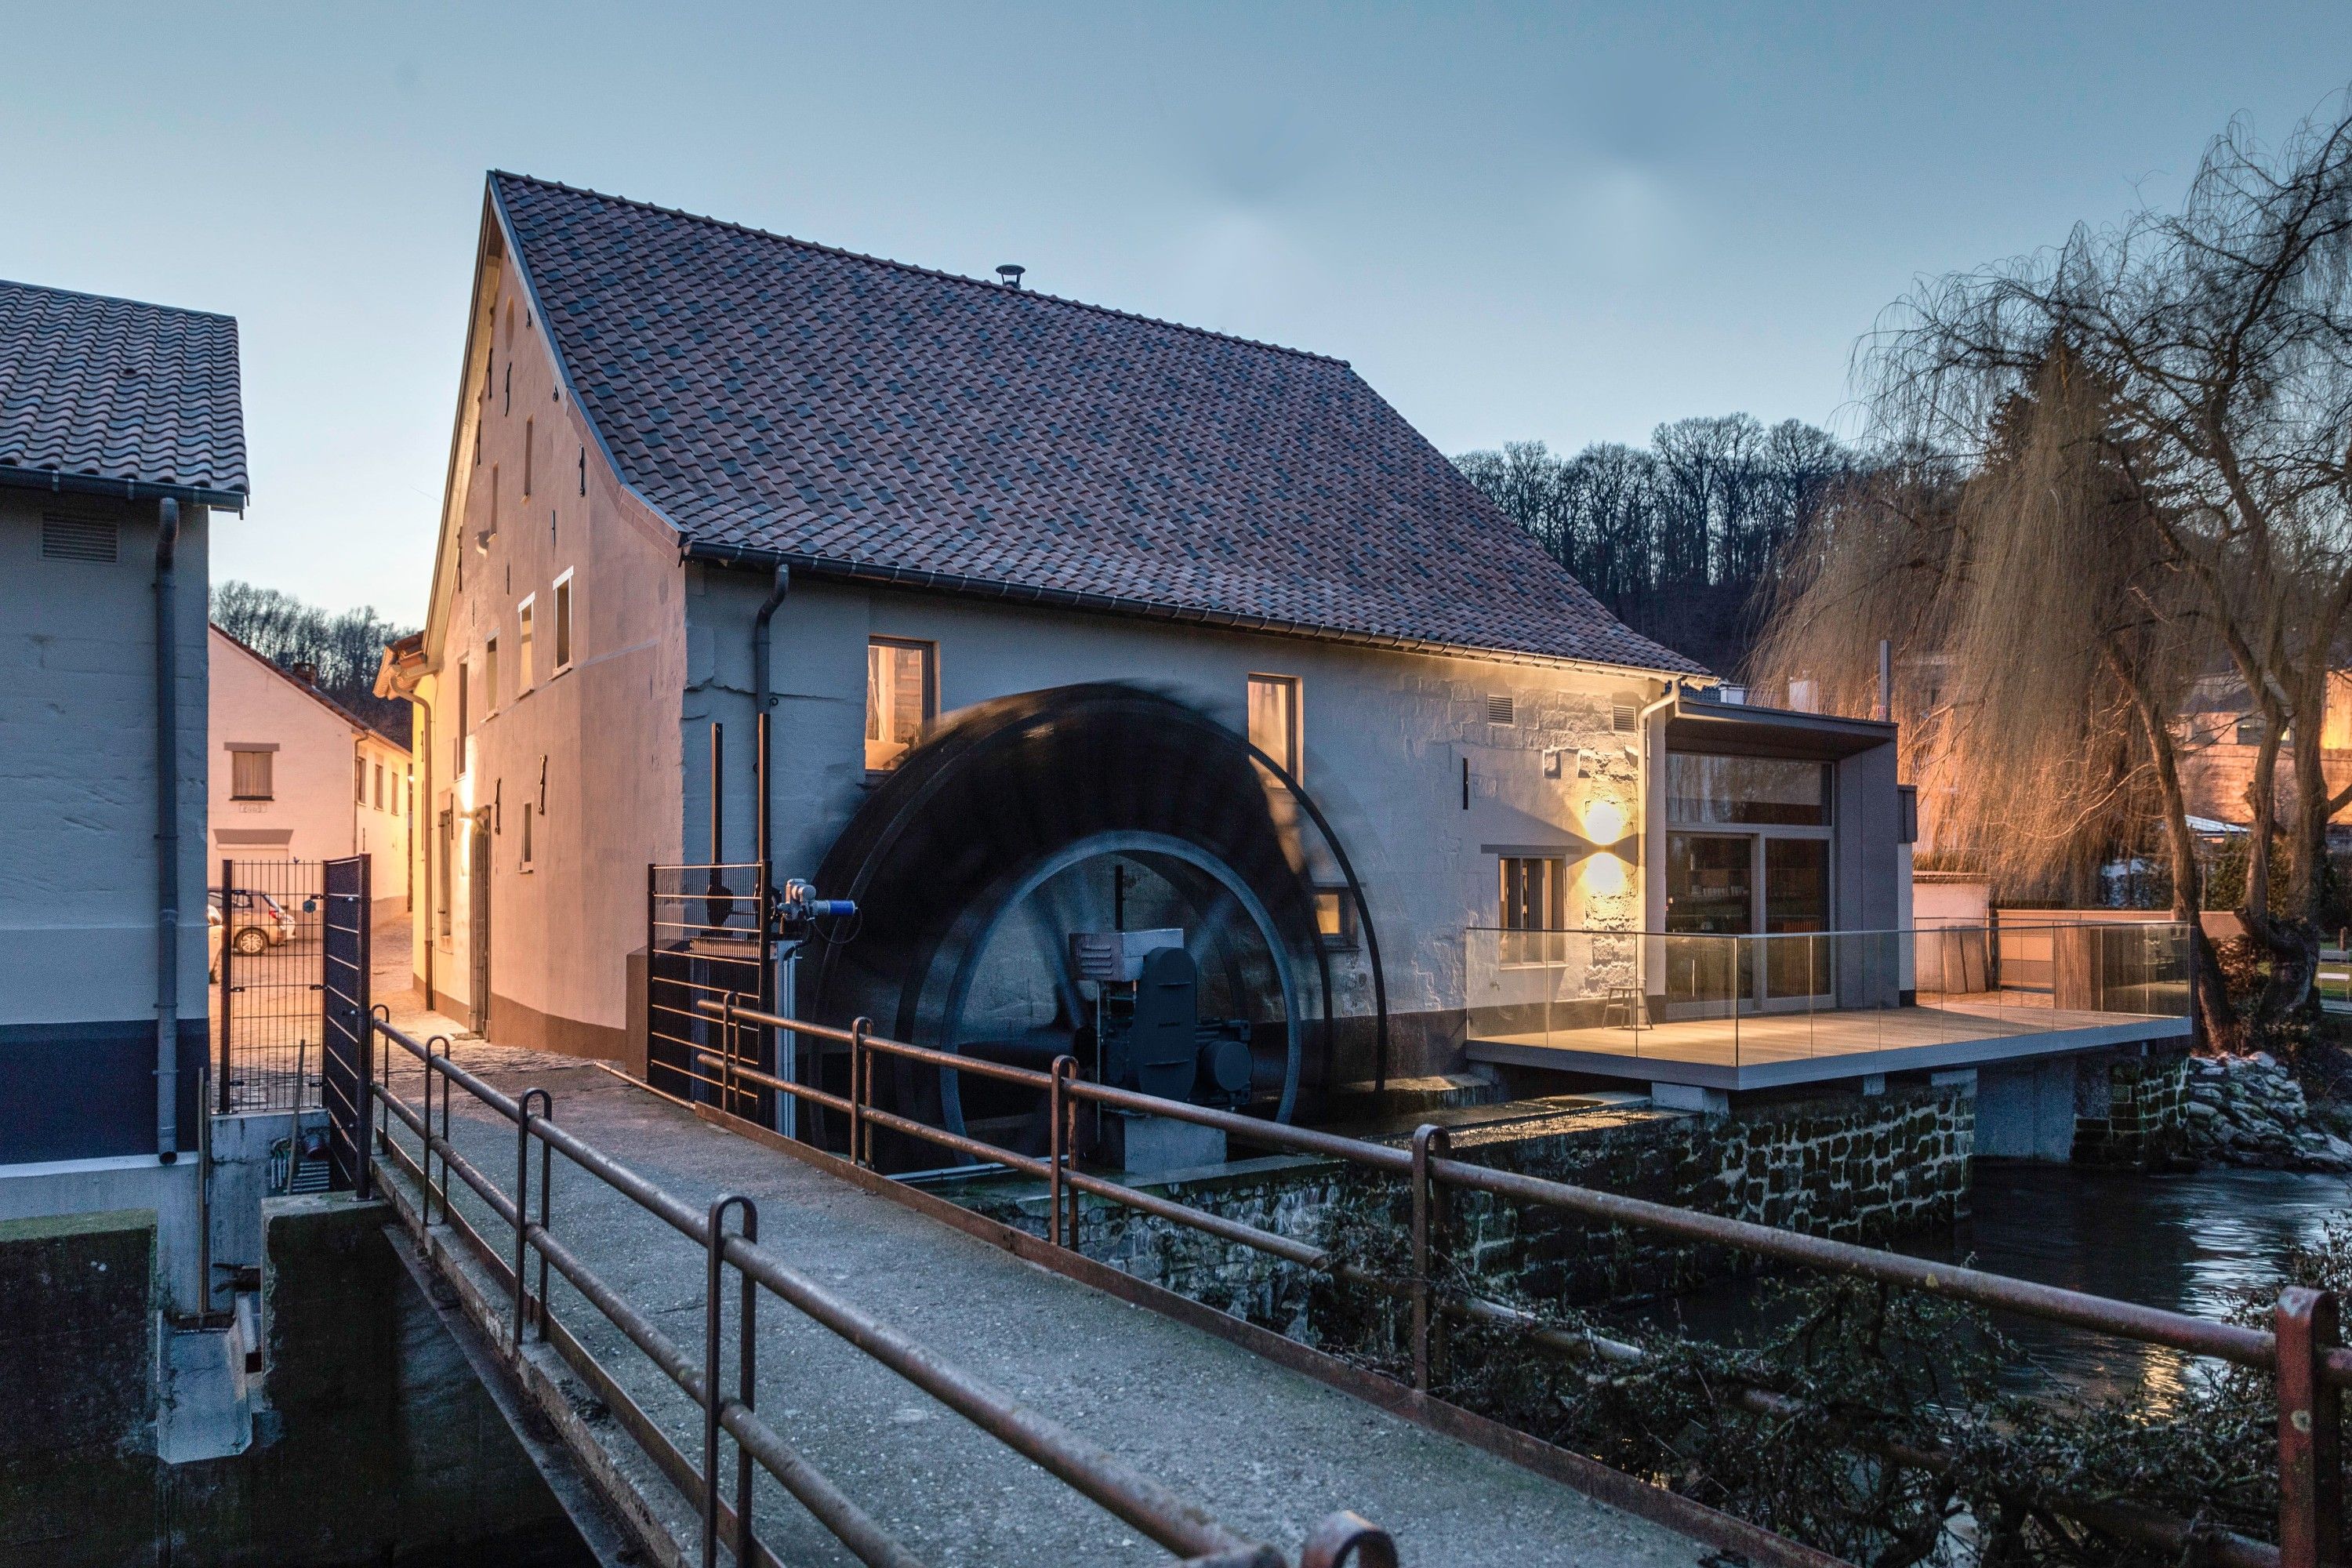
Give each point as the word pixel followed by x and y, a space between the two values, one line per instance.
pixel 342 650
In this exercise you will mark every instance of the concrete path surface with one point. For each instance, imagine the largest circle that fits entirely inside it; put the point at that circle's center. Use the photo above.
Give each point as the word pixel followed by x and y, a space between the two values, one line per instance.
pixel 1267 1450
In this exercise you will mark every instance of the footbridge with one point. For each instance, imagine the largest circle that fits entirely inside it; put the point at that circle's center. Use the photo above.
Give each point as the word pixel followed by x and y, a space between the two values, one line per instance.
pixel 723 1343
pixel 890 1389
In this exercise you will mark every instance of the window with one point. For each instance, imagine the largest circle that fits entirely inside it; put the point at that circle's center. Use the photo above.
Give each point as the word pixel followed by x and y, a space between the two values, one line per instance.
pixel 359 778
pixel 463 750
pixel 563 622
pixel 379 787
pixel 525 612
pixel 1534 892
pixel 529 440
pixel 901 697
pixel 249 772
pixel 441 883
pixel 1335 919
pixel 2250 730
pixel 527 815
pixel 490 676
pixel 1764 790
pixel 1274 719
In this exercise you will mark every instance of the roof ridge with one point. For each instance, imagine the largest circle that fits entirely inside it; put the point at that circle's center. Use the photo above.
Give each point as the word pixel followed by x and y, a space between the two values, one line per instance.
pixel 921 271
pixel 117 299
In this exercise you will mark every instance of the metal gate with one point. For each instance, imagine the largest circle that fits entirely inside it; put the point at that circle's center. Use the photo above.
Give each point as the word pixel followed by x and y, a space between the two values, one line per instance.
pixel 709 932
pixel 266 927
pixel 347 1063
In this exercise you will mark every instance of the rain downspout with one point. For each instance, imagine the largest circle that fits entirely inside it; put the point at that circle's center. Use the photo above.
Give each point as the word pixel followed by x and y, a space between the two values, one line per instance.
pixel 167 835
pixel 762 698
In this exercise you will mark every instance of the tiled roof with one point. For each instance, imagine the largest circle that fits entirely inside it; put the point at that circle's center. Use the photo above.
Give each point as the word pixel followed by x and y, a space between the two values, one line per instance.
pixel 880 418
pixel 100 391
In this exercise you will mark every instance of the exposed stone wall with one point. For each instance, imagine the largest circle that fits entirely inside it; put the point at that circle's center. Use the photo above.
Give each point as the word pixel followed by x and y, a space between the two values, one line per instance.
pixel 1852 1168
pixel 2132 1111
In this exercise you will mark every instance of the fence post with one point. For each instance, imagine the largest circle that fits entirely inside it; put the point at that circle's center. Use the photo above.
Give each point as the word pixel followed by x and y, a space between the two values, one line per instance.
pixel 227 953
pixel 1060 1111
pixel 522 1201
pixel 858 1075
pixel 2311 1473
pixel 713 1403
pixel 1428 1240
pixel 726 1054
pixel 1342 1538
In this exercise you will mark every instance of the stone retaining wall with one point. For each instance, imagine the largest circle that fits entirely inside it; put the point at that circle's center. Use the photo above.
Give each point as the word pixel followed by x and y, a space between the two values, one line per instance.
pixel 1861 1169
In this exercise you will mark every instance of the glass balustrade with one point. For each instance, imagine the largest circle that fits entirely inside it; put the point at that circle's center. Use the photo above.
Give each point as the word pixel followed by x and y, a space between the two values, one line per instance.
pixel 1739 1000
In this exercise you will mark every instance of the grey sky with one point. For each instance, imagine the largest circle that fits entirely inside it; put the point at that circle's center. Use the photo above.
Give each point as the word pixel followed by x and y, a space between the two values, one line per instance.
pixel 1564 222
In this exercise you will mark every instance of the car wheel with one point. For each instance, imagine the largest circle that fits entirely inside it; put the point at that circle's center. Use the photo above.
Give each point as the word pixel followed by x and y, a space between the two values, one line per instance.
pixel 251 939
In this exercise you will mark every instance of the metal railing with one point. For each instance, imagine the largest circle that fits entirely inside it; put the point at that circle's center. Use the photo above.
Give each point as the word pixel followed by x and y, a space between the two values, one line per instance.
pixel 2302 1350
pixel 1185 1528
pixel 1739 1000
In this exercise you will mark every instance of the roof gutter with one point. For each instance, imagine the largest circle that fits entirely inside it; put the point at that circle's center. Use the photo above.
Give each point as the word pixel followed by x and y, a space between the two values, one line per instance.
pixel 874 574
pixel 121 489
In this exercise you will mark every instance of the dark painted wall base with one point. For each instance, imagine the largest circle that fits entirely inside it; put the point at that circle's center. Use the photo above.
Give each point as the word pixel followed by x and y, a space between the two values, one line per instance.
pixel 85 1091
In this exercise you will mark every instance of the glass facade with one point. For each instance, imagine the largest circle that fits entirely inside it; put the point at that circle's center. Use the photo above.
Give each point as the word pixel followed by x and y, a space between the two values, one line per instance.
pixel 1702 789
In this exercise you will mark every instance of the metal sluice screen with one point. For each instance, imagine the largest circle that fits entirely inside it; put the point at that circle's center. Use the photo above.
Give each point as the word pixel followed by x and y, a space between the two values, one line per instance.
pixel 708 936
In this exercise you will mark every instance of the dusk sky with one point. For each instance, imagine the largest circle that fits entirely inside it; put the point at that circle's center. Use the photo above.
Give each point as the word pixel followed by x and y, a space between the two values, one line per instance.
pixel 1568 223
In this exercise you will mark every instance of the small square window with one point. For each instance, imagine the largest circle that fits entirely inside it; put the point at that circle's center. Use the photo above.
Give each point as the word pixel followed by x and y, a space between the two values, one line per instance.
pixel 901 697
pixel 1335 919
pixel 250 773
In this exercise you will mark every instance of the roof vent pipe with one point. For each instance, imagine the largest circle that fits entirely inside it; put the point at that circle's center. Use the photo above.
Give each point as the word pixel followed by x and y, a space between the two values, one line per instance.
pixel 167 834
pixel 1009 274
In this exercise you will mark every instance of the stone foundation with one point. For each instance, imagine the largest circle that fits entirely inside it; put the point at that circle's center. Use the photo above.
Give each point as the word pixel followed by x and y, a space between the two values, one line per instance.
pixel 1853 1168
pixel 2134 1113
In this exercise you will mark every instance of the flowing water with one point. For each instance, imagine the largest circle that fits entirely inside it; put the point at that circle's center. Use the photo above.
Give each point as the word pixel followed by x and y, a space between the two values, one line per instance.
pixel 2188 1242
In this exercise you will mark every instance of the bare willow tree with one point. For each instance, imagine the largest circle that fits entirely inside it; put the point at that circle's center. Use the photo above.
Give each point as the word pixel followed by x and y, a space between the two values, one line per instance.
pixel 2177 498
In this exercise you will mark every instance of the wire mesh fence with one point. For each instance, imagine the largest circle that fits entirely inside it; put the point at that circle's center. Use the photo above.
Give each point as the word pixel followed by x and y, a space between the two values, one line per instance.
pixel 266 922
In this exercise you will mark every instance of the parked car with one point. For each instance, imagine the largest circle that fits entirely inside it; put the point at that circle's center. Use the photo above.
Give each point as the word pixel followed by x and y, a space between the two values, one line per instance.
pixel 255 921
pixel 212 938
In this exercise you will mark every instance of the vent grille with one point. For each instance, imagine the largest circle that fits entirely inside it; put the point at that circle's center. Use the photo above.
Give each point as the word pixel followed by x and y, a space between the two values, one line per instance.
pixel 76 538
pixel 1501 711
pixel 1622 716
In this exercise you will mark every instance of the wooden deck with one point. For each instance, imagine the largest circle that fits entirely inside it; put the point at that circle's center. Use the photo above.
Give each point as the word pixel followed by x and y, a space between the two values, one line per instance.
pixel 1767 1050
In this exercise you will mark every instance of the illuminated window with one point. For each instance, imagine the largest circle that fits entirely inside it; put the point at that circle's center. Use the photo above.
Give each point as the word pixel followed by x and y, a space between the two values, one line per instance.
pixel 249 772
pixel 1534 892
pixel 901 697
pixel 1335 918
pixel 1274 719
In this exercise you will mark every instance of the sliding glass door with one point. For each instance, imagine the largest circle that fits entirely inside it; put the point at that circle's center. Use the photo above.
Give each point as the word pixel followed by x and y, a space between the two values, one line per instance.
pixel 1747 855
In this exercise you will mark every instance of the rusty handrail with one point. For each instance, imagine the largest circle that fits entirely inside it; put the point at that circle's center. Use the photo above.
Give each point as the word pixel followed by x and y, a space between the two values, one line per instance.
pixel 1094 1472
pixel 2312 1374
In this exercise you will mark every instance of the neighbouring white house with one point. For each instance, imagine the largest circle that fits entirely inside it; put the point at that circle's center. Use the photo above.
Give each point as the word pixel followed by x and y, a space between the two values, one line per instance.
pixel 295 775
pixel 121 436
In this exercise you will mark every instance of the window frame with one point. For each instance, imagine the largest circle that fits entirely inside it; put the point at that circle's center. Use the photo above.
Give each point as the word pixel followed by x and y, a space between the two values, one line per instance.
pixel 1294 757
pixel 490 675
pixel 566 595
pixel 526 633
pixel 269 769
pixel 1554 896
pixel 1350 936
pixel 930 652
